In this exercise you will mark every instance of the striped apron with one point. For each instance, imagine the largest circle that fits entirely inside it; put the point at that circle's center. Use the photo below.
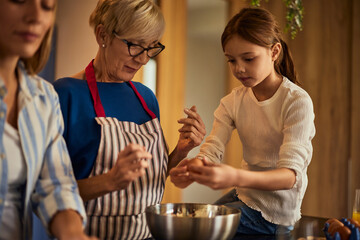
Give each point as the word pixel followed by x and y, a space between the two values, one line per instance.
pixel 121 214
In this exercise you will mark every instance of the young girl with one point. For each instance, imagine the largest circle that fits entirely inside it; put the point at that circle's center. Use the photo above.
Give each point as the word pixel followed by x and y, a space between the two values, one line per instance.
pixel 35 169
pixel 275 121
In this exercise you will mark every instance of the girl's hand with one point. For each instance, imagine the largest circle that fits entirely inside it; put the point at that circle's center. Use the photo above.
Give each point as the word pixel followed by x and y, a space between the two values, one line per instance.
pixel 179 175
pixel 192 132
pixel 131 164
pixel 215 176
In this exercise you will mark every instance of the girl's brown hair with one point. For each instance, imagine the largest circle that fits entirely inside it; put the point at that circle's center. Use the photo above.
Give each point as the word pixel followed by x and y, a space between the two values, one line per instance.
pixel 259 26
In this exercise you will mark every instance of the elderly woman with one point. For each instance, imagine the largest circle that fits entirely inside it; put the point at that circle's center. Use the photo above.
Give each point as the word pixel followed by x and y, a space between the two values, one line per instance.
pixel 112 127
pixel 35 169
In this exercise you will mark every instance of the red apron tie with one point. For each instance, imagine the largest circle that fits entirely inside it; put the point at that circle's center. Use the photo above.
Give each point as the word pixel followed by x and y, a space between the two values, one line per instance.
pixel 99 109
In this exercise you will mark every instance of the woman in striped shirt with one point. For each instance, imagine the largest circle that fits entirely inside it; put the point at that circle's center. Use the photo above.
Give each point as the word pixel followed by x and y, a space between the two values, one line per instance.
pixel 35 169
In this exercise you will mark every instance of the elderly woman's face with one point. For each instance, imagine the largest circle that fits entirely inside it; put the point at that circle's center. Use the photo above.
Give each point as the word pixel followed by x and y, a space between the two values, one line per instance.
pixel 120 65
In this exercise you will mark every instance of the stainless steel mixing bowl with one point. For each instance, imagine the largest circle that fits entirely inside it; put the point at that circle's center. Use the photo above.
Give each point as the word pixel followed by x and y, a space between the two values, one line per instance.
pixel 173 221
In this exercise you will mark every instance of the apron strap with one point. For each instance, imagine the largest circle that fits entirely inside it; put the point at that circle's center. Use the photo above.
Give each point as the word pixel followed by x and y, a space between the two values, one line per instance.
pixel 99 109
pixel 143 103
pixel 91 81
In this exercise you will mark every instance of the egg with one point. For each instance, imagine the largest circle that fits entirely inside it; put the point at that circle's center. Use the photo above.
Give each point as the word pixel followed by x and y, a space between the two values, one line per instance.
pixel 195 162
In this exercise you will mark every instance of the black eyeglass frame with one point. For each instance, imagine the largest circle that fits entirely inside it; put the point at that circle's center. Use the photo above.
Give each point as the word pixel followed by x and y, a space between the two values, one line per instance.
pixel 129 44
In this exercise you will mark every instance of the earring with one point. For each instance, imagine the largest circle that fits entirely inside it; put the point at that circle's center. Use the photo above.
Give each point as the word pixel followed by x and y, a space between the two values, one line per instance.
pixel 103 45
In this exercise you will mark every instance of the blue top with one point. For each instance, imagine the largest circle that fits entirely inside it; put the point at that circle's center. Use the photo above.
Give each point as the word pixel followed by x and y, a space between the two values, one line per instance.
pixel 82 133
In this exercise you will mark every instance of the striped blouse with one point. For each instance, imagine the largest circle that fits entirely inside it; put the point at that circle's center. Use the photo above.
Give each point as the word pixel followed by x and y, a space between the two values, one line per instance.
pixel 50 185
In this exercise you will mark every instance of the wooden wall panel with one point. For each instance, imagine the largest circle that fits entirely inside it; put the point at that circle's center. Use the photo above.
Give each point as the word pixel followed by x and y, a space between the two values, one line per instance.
pixel 171 78
pixel 321 54
pixel 355 103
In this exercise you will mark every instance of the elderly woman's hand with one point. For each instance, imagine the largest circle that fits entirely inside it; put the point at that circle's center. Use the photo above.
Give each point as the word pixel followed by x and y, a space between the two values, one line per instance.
pixel 131 164
pixel 179 175
pixel 192 132
pixel 67 225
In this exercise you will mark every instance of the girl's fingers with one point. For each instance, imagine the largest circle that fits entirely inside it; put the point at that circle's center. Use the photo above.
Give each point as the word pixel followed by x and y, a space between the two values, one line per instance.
pixel 200 178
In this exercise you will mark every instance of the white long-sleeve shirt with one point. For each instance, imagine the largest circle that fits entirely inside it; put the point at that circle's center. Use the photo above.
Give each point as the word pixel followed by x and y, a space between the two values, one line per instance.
pixel 275 133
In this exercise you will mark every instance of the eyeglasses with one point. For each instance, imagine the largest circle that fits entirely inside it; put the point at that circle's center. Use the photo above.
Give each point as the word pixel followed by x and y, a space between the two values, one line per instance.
pixel 136 50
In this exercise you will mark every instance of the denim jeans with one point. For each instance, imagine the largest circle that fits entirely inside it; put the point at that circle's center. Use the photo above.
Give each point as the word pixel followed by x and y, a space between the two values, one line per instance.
pixel 251 221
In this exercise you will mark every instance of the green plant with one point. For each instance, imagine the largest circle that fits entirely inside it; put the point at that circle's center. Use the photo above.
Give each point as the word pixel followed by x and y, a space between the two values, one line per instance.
pixel 294 15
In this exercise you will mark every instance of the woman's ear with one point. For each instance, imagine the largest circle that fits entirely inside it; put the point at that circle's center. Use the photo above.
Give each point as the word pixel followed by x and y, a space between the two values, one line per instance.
pixel 275 51
pixel 101 35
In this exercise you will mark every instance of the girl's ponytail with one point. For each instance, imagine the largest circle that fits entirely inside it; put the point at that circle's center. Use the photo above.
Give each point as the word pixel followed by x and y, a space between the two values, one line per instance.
pixel 284 65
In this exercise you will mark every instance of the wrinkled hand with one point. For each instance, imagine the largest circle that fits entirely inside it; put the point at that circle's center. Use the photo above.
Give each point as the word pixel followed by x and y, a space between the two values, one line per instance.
pixel 215 176
pixel 192 132
pixel 67 225
pixel 179 175
pixel 80 236
pixel 131 164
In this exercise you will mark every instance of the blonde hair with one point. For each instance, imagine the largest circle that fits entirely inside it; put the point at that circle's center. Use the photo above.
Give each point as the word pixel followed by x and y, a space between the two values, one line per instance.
pixel 140 19
pixel 36 63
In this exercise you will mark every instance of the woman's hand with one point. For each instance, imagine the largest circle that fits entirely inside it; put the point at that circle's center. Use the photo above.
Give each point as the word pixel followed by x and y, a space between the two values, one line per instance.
pixel 191 135
pixel 79 236
pixel 192 132
pixel 67 225
pixel 131 164
pixel 179 175
pixel 215 176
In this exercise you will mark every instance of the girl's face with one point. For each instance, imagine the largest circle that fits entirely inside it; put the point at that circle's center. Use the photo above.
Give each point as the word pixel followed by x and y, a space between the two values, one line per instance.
pixel 120 66
pixel 250 63
pixel 24 24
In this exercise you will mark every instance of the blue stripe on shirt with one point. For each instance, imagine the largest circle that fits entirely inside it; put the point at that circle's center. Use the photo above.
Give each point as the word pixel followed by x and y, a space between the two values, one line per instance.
pixel 50 185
